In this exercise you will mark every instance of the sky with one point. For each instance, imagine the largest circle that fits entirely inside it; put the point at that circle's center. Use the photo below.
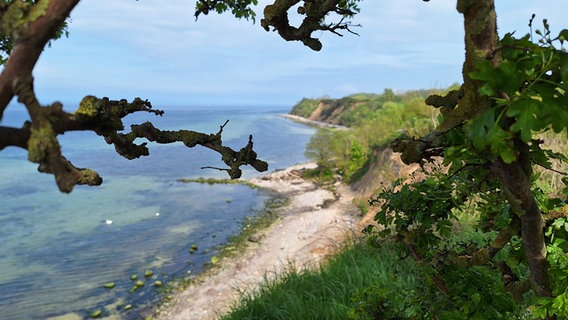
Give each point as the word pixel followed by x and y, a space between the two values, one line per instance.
pixel 155 50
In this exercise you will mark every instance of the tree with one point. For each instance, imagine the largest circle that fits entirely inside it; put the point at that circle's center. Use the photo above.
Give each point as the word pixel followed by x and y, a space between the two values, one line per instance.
pixel 512 90
pixel 319 148
pixel 26 27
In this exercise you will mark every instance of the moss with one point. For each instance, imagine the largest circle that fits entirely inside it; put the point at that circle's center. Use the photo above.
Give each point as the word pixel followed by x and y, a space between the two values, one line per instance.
pixel 41 140
pixel 480 40
pixel 90 177
pixel 89 107
pixel 20 13
pixel 14 16
pixel 38 10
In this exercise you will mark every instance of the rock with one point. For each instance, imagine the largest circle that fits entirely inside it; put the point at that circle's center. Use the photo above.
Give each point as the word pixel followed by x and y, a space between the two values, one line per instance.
pixel 96 314
pixel 109 285
pixel 254 238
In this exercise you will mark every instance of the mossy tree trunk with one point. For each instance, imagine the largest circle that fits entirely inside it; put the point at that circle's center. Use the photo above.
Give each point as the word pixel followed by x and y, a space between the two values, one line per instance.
pixel 481 43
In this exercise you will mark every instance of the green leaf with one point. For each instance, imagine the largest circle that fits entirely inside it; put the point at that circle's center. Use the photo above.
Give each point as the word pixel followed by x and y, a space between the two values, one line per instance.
pixel 539 156
pixel 525 111
pixel 221 7
pixel 487 135
pixel 475 298
pixel 508 155
pixel 564 64
pixel 485 72
pixel 444 227
pixel 479 127
pixel 563 35
pixel 556 155
pixel 560 305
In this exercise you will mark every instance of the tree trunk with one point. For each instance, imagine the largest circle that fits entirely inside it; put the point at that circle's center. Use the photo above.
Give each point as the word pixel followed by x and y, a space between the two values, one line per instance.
pixel 518 189
pixel 29 43
pixel 481 39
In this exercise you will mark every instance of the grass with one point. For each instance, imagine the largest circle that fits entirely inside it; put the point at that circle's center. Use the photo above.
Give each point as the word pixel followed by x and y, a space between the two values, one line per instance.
pixel 366 280
pixel 328 292
pixel 213 181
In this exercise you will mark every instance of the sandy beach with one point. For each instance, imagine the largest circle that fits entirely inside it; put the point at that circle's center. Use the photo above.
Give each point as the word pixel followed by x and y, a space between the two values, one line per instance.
pixel 314 123
pixel 309 228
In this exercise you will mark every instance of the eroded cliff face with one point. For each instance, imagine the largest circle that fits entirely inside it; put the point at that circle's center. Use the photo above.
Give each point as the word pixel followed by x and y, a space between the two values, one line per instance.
pixel 384 169
pixel 330 111
pixel 333 111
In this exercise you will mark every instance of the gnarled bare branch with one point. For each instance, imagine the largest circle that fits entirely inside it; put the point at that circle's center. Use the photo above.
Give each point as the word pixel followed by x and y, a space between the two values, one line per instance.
pixel 315 11
pixel 104 117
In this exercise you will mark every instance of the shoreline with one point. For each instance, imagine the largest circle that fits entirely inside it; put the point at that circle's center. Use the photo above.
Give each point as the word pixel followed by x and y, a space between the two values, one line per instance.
pixel 308 229
pixel 306 121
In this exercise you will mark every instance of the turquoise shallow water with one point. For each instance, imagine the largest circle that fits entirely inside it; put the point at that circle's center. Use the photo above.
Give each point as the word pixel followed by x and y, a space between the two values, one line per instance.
pixel 58 250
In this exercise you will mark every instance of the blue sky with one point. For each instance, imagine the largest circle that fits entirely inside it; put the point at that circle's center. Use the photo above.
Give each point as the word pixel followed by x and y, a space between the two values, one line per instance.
pixel 154 49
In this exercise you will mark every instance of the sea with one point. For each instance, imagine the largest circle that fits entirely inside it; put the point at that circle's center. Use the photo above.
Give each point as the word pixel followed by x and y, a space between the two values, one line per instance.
pixel 58 251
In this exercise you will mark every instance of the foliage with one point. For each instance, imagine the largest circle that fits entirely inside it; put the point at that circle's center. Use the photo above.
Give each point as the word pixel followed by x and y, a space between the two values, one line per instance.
pixel 304 108
pixel 318 148
pixel 239 8
pixel 315 14
pixel 557 248
pixel 530 88
pixel 322 175
pixel 478 182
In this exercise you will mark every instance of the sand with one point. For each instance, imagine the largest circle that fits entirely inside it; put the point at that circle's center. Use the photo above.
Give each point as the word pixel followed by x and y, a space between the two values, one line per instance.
pixel 309 229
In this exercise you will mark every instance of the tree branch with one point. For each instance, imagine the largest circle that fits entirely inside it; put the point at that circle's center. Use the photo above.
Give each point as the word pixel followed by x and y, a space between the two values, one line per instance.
pixel 29 27
pixel 315 11
pixel 17 137
pixel 29 36
pixel 104 117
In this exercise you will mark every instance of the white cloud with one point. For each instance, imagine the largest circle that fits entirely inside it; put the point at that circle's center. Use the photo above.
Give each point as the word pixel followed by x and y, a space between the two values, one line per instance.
pixel 154 48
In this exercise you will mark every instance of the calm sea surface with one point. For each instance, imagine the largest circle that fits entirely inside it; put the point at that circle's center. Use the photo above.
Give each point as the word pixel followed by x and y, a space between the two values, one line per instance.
pixel 58 250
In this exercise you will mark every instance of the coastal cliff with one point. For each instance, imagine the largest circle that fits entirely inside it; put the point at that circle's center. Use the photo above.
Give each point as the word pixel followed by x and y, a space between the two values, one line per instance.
pixel 375 119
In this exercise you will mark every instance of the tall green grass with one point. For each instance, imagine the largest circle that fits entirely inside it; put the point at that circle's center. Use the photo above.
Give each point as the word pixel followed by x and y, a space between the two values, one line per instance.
pixel 328 292
pixel 369 281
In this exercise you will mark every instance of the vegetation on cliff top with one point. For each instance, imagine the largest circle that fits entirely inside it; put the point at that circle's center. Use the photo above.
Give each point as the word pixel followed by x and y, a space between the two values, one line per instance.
pixel 354 109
